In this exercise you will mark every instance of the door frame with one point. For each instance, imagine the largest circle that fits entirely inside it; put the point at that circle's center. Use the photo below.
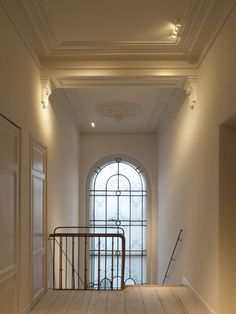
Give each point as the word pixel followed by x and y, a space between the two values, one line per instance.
pixel 33 141
pixel 18 218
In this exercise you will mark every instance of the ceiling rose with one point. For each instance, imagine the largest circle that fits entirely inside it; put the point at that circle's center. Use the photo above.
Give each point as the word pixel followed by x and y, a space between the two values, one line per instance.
pixel 118 110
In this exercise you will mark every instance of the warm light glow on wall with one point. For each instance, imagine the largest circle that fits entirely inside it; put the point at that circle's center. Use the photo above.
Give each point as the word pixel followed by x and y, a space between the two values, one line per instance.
pixel 45 93
pixel 44 117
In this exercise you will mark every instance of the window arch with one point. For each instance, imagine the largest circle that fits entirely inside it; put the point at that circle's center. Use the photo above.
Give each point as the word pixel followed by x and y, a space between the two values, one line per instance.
pixel 118 198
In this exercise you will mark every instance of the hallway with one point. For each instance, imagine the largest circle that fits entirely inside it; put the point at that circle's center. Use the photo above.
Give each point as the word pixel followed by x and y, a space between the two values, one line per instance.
pixel 145 299
pixel 145 83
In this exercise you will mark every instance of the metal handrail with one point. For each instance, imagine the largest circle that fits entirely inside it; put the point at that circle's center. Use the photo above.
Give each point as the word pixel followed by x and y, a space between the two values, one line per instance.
pixel 59 237
pixel 172 255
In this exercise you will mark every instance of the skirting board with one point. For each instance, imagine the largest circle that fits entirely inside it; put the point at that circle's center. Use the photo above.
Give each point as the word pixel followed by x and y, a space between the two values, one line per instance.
pixel 26 310
pixel 197 296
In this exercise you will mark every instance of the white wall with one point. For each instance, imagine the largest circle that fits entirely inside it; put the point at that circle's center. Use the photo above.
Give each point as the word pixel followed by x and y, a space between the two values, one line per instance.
pixel 20 102
pixel 142 148
pixel 188 163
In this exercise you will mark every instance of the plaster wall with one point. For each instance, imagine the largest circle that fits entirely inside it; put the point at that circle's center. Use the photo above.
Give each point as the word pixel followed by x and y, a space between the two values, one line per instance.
pixel 140 148
pixel 188 164
pixel 20 102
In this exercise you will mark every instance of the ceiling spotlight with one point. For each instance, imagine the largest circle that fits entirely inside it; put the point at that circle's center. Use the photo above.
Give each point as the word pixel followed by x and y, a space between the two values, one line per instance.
pixel 176 30
pixel 93 124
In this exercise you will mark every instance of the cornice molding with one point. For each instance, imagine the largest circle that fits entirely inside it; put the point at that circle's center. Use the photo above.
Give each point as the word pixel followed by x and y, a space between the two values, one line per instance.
pixel 158 109
pixel 68 110
pixel 173 104
pixel 21 34
pixel 192 22
pixel 75 82
pixel 77 108
pixel 42 23
pixel 171 96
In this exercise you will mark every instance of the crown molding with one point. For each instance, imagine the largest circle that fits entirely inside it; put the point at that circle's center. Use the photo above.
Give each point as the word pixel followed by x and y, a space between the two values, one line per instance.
pixel 75 82
pixel 42 23
pixel 20 32
pixel 158 109
pixel 192 21
pixel 171 97
pixel 67 108
pixel 120 132
pixel 173 105
pixel 221 22
pixel 75 103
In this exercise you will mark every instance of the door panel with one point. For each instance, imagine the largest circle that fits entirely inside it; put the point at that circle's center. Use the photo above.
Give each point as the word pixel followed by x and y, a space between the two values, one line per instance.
pixel 9 217
pixel 38 223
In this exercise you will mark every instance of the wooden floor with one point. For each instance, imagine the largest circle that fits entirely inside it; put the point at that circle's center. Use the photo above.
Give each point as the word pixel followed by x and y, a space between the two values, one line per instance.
pixel 137 300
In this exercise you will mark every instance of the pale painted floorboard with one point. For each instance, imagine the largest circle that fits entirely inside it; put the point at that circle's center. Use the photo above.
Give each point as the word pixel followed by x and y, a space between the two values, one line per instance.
pixel 151 301
pixel 169 301
pixel 61 303
pixel 115 303
pixel 98 302
pixel 45 303
pixel 132 300
pixel 189 303
pixel 79 303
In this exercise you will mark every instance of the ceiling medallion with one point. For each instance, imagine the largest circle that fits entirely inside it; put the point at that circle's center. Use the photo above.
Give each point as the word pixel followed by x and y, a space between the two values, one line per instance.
pixel 118 110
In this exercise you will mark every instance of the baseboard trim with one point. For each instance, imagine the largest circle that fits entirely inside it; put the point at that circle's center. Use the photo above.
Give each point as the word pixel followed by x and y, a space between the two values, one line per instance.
pixel 197 296
pixel 26 309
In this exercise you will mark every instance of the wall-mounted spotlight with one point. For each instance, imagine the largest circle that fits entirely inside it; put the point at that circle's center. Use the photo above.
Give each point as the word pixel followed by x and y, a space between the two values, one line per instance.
pixel 93 124
pixel 46 91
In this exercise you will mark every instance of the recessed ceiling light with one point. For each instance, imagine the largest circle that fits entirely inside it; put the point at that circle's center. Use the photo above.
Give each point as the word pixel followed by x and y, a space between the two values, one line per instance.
pixel 93 124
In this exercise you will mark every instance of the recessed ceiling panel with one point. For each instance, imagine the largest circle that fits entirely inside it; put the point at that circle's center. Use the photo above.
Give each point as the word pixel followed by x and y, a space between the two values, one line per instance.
pixel 149 103
pixel 110 20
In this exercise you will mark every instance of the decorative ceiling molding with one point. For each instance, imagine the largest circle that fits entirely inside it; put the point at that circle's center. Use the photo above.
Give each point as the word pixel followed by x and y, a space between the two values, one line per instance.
pixel 75 103
pixel 161 81
pixel 171 108
pixel 171 96
pixel 69 111
pixel 192 22
pixel 159 107
pixel 42 23
pixel 118 110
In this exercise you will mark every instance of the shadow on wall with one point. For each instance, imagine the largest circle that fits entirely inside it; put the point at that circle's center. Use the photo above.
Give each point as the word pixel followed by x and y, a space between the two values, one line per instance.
pixel 227 217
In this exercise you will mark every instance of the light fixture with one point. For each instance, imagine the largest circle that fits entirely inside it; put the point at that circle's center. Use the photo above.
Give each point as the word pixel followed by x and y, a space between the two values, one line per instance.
pixel 46 91
pixel 93 124
pixel 176 30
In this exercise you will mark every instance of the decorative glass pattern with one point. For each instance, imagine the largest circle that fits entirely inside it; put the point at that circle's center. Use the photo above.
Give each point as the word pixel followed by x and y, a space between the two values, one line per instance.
pixel 118 199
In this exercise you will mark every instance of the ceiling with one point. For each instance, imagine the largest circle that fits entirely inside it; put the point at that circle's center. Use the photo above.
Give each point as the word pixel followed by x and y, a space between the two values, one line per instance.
pixel 100 52
pixel 151 101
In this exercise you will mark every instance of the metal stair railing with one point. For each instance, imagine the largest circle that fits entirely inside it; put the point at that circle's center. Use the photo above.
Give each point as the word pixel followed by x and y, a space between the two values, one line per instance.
pixel 172 255
pixel 88 260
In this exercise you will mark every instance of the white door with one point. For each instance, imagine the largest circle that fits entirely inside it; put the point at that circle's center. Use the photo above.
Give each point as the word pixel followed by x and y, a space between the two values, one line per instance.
pixel 38 222
pixel 9 216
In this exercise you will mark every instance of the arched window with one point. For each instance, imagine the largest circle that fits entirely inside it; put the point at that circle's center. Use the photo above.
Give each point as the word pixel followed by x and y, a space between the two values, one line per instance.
pixel 118 195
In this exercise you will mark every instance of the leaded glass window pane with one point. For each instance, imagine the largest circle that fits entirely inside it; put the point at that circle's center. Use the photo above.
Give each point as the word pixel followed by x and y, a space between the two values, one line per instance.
pixel 118 199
